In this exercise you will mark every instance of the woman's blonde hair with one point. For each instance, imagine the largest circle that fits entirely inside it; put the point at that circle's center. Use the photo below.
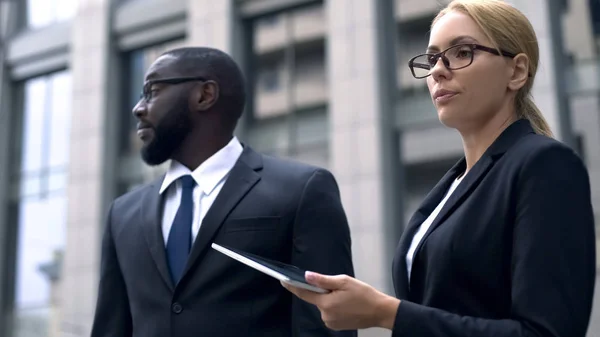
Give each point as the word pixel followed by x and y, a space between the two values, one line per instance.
pixel 508 29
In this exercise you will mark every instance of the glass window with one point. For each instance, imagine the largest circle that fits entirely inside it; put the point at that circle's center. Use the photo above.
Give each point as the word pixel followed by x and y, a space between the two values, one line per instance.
pixel 45 12
pixel 290 84
pixel 33 135
pixel 270 79
pixel 41 199
pixel 59 120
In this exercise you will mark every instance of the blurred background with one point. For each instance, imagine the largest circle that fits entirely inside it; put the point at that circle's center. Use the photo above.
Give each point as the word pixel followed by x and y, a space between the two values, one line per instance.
pixel 329 86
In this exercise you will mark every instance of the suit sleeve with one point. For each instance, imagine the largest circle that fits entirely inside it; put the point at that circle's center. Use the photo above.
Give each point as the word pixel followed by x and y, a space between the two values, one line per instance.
pixel 112 317
pixel 321 243
pixel 553 262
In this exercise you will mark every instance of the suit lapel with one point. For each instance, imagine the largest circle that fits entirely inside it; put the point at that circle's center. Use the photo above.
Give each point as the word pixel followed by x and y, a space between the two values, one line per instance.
pixel 151 221
pixel 428 205
pixel 242 178
pixel 400 275
pixel 470 181
pixel 509 136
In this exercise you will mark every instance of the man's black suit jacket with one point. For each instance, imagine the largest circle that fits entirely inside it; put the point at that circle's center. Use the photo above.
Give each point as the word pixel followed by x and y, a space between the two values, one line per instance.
pixel 271 207
pixel 511 253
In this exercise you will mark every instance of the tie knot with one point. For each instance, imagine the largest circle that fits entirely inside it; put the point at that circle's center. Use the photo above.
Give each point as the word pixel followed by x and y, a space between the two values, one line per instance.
pixel 187 182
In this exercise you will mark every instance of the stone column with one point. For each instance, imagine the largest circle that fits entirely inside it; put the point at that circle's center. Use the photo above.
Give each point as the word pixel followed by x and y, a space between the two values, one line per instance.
pixel 549 92
pixel 210 24
pixel 90 50
pixel 216 24
pixel 8 10
pixel 364 157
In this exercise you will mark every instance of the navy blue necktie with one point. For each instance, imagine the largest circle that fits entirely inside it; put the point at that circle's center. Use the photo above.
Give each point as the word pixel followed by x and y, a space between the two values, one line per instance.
pixel 180 236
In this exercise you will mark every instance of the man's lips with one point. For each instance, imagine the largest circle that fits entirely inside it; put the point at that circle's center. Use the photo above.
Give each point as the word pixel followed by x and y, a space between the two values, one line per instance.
pixel 145 133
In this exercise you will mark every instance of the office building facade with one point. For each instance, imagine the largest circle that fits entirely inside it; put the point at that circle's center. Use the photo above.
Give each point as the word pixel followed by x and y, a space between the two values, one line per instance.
pixel 329 86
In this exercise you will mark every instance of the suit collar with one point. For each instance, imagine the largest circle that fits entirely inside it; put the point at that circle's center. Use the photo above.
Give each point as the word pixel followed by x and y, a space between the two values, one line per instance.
pixel 510 136
pixel 242 177
pixel 211 172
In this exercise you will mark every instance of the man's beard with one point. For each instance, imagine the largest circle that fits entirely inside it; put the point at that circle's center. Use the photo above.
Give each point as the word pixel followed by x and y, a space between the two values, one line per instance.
pixel 168 136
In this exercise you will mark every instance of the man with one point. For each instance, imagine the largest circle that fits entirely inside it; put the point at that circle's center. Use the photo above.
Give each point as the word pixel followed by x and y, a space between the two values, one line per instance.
pixel 159 276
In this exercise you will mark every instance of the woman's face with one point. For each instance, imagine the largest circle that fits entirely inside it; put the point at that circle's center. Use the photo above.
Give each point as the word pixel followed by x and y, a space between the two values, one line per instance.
pixel 466 98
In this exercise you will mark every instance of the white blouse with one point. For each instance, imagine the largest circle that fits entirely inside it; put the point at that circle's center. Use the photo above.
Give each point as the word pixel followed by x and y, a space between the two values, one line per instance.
pixel 426 224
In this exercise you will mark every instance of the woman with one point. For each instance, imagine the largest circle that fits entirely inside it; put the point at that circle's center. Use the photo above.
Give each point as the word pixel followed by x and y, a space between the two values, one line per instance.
pixel 504 245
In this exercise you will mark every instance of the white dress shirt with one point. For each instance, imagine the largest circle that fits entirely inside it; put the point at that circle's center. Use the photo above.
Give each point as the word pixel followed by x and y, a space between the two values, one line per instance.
pixel 210 177
pixel 426 224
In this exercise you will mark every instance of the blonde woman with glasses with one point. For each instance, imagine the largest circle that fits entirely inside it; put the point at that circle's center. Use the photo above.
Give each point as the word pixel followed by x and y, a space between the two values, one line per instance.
pixel 504 244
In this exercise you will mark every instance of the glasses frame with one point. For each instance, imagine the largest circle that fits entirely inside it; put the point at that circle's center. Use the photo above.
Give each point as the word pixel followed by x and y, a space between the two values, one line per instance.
pixel 442 55
pixel 145 95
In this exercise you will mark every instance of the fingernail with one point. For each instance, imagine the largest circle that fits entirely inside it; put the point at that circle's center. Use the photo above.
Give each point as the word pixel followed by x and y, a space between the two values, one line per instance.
pixel 310 276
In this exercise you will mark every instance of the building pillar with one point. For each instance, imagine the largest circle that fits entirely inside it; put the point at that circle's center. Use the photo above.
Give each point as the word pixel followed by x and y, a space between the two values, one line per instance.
pixel 90 56
pixel 9 22
pixel 365 156
pixel 216 24
pixel 549 90
pixel 210 24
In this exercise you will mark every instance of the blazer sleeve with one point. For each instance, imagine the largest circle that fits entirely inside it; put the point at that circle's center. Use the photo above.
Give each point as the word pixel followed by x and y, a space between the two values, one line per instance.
pixel 112 317
pixel 321 243
pixel 553 262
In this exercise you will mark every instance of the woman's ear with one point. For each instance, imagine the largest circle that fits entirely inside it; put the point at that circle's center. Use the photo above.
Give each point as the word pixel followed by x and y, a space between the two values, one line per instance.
pixel 520 72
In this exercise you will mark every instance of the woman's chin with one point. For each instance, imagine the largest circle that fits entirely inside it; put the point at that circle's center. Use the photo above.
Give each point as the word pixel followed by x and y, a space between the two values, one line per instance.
pixel 447 117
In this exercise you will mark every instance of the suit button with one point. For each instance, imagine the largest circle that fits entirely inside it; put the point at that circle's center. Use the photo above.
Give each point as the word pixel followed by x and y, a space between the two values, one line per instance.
pixel 177 308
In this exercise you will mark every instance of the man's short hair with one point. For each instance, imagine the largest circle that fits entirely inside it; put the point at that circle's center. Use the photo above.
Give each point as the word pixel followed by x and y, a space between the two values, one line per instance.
pixel 216 65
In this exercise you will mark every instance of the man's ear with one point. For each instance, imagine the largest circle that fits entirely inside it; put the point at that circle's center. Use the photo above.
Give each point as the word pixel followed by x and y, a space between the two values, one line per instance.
pixel 206 94
pixel 520 72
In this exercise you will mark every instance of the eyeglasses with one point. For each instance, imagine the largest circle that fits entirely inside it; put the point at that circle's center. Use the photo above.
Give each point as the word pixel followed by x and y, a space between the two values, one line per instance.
pixel 454 58
pixel 147 92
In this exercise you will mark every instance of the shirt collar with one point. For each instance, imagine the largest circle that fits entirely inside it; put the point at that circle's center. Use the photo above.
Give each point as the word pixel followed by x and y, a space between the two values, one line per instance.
pixel 210 173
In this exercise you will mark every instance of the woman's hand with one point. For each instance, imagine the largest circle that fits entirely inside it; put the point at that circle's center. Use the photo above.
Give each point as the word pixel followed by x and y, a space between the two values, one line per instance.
pixel 350 305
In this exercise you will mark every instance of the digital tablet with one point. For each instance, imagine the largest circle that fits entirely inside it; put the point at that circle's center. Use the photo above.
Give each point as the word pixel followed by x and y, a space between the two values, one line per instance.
pixel 283 272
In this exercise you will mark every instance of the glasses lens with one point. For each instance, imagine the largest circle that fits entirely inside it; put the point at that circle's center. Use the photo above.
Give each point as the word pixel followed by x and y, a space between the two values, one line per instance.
pixel 459 56
pixel 421 65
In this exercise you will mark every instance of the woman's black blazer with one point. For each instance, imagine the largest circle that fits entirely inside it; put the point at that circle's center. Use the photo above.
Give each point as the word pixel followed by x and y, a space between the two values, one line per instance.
pixel 512 252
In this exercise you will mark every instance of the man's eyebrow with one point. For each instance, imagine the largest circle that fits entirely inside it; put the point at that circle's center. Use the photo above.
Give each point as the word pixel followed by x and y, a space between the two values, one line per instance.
pixel 454 41
pixel 150 76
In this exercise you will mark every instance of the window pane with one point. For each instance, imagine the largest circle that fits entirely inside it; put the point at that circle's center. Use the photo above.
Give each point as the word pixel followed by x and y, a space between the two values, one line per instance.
pixel 135 80
pixel 57 181
pixel 59 104
pixel 30 186
pixel 41 13
pixel 289 71
pixel 33 124
pixel 66 9
pixel 40 244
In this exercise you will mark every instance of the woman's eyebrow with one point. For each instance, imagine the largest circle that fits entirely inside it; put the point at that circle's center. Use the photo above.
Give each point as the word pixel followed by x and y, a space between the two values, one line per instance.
pixel 454 41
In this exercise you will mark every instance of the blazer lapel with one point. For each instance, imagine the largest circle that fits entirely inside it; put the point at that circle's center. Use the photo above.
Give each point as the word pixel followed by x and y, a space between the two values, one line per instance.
pixel 151 221
pixel 400 275
pixel 470 181
pixel 242 178
pixel 507 138
pixel 428 205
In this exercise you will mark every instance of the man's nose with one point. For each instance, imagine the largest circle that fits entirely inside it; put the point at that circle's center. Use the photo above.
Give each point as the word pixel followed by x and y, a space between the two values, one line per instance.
pixel 139 109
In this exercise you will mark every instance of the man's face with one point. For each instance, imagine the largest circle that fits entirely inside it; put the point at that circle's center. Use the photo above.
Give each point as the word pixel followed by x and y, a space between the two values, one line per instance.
pixel 163 113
